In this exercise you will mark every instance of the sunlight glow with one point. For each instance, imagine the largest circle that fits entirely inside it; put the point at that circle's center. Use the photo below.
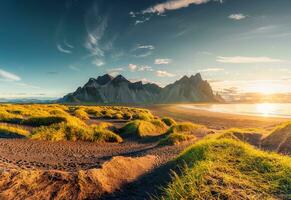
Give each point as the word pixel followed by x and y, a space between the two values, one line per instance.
pixel 265 108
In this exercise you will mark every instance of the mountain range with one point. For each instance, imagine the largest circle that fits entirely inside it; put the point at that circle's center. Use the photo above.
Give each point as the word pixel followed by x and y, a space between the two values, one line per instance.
pixel 107 89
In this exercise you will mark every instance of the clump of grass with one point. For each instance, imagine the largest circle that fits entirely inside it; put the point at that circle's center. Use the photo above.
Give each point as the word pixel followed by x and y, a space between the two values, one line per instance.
pixel 101 134
pixel 73 132
pixel 169 121
pixel 176 138
pixel 11 131
pixel 187 127
pixel 81 114
pixel 43 121
pixel 141 128
pixel 229 169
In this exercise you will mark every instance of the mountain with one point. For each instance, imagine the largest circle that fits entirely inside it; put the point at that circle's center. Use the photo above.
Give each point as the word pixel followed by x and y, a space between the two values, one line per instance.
pixel 118 90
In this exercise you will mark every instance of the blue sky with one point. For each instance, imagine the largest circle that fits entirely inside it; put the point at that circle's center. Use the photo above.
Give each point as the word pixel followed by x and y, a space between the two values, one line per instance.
pixel 49 48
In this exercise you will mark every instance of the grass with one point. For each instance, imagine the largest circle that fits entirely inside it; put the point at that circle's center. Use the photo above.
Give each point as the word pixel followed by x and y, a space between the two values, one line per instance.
pixel 176 138
pixel 229 169
pixel 13 131
pixel 43 121
pixel 142 128
pixel 279 139
pixel 184 127
pixel 169 121
pixel 251 136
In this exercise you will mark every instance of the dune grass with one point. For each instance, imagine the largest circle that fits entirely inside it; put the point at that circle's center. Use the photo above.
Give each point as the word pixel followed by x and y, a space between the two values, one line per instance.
pixel 184 127
pixel 142 128
pixel 8 131
pixel 176 138
pixel 229 169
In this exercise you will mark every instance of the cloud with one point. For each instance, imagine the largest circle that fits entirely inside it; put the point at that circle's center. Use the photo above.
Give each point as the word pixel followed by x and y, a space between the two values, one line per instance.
pixel 143 50
pixel 237 16
pixel 28 86
pixel 7 76
pixel 141 68
pixel 115 71
pixel 63 50
pixel 247 60
pixel 172 5
pixel 132 67
pixel 163 61
pixel 98 62
pixel 141 21
pixel 160 73
pixel 211 70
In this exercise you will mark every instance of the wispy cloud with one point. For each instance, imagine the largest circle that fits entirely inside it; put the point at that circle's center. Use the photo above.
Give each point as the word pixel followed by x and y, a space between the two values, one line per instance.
pixel 163 61
pixel 247 60
pixel 63 50
pixel 8 76
pixel 98 62
pixel 172 5
pixel 237 16
pixel 141 68
pixel 211 70
pixel 161 73
pixel 143 50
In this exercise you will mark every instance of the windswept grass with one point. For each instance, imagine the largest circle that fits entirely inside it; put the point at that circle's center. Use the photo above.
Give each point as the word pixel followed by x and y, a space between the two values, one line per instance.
pixel 176 138
pixel 11 131
pixel 184 127
pixel 229 169
pixel 142 128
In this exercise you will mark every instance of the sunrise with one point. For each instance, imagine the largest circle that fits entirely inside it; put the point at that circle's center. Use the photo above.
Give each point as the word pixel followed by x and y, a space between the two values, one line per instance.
pixel 145 99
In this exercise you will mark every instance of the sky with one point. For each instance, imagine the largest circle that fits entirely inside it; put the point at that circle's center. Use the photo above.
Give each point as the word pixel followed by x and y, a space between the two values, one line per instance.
pixel 50 47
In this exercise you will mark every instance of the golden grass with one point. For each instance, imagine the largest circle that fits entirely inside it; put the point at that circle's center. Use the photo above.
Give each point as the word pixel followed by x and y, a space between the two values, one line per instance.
pixel 11 130
pixel 176 139
pixel 142 128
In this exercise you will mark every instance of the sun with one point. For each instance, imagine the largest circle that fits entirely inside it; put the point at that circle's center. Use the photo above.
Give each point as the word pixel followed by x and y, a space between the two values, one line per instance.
pixel 265 108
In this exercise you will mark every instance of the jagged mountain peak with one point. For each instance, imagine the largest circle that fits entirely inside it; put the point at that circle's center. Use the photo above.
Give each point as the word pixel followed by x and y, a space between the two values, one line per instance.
pixel 108 89
pixel 102 80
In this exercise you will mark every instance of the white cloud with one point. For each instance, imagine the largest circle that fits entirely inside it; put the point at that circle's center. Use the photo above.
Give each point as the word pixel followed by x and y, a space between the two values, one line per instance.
pixel 237 16
pixel 143 50
pixel 160 73
pixel 247 60
pixel 132 67
pixel 115 71
pixel 141 21
pixel 211 70
pixel 150 47
pixel 172 5
pixel 98 62
pixel 163 61
pixel 61 49
pixel 7 76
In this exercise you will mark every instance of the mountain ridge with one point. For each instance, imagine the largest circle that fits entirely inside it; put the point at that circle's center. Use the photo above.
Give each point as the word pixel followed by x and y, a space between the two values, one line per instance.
pixel 107 89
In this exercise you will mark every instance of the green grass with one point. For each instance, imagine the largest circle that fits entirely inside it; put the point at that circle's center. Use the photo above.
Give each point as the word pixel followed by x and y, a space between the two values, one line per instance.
pixel 229 169
pixel 184 127
pixel 11 130
pixel 176 138
pixel 142 128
